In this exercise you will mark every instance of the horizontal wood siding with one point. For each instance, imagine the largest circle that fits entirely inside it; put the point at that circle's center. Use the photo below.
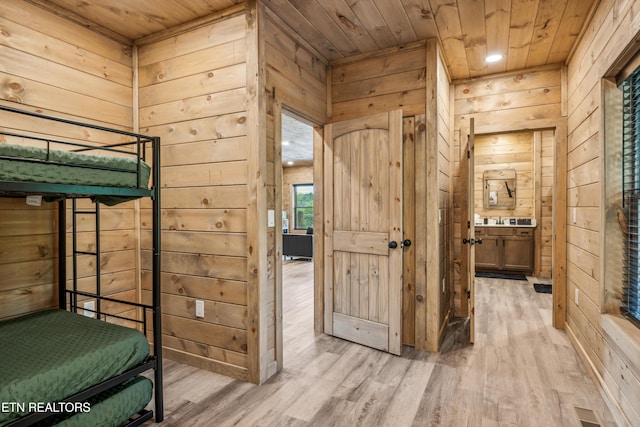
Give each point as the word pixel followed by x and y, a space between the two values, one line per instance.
pixel 193 95
pixel 615 25
pixel 513 101
pixel 378 82
pixel 54 66
pixel 506 151
pixel 294 70
pixel 444 125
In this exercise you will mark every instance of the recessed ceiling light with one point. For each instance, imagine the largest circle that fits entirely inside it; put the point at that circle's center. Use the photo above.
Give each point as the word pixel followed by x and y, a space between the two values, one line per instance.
pixel 493 57
pixel 289 163
pixel 285 142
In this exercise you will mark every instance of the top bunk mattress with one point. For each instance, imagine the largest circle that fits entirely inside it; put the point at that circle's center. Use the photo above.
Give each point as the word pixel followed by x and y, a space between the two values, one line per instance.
pixel 36 165
pixel 50 355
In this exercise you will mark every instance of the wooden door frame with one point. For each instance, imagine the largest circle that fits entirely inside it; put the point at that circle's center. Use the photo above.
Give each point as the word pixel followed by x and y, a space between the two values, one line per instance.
pixel 279 107
pixel 559 233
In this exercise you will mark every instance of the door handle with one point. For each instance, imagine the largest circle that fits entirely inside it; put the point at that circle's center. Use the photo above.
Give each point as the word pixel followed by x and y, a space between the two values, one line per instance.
pixel 393 244
pixel 479 241
pixel 406 243
pixel 468 241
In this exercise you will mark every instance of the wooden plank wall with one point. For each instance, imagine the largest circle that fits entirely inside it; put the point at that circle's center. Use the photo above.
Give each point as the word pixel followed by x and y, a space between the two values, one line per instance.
pixel 379 81
pixel 290 177
pixel 296 80
pixel 615 25
pixel 295 69
pixel 445 193
pixel 510 101
pixel 432 317
pixel 506 151
pixel 192 93
pixel 54 66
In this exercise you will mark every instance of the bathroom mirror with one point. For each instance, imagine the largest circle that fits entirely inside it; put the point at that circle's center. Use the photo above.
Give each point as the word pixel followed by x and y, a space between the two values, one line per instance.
pixel 499 189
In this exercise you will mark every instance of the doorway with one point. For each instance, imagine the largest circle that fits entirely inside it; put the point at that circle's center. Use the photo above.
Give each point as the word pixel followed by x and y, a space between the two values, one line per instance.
pixel 535 156
pixel 297 214
pixel 513 185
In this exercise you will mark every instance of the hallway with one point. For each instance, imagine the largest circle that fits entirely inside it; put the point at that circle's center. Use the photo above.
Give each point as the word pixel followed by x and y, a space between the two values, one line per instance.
pixel 521 372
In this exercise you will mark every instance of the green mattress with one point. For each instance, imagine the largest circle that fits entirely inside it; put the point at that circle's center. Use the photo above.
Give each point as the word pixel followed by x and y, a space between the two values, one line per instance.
pixel 108 409
pixel 50 355
pixel 70 168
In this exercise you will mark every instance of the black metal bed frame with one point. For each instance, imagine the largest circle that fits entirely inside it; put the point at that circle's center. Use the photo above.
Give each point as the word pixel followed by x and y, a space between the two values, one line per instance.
pixel 68 299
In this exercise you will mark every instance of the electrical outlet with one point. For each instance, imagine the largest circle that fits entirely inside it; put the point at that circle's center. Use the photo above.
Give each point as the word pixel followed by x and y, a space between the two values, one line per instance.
pixel 576 295
pixel 575 215
pixel 439 216
pixel 89 308
pixel 443 285
pixel 199 308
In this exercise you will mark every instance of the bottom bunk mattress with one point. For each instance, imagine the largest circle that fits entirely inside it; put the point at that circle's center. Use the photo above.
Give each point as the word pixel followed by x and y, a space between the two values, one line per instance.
pixel 50 355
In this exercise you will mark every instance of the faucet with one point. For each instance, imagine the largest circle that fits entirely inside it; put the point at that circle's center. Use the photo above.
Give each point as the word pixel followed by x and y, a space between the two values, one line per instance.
pixel 500 220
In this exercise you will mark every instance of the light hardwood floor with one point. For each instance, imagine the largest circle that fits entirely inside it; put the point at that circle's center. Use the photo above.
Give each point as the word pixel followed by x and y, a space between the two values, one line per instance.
pixel 520 372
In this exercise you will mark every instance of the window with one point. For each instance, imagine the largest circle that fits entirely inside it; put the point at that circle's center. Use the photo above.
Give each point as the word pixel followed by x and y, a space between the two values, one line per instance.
pixel 631 193
pixel 303 206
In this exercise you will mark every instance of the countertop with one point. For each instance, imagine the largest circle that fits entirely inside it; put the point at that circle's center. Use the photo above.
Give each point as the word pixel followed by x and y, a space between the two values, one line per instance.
pixel 506 225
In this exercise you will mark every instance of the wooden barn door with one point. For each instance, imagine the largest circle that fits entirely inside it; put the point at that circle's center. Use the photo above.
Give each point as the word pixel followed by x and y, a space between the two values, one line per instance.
pixel 363 231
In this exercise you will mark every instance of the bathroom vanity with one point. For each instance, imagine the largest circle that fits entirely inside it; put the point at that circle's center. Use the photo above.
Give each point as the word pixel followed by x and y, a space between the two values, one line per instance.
pixel 505 248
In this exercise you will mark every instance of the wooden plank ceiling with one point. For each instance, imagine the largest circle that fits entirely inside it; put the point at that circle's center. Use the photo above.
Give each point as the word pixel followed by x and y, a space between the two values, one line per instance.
pixel 528 33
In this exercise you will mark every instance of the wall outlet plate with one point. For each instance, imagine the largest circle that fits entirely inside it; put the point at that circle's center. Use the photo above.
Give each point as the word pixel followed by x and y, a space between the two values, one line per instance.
pixel 199 308
pixel 577 294
pixel 89 308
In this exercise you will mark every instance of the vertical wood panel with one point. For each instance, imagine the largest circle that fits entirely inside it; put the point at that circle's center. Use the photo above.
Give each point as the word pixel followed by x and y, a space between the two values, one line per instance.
pixel 318 225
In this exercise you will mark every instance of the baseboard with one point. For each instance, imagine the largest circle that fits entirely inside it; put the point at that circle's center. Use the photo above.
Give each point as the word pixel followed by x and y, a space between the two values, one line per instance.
pixel 601 385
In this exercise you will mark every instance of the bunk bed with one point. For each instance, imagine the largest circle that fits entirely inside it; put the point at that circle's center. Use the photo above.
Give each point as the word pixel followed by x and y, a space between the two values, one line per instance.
pixel 59 366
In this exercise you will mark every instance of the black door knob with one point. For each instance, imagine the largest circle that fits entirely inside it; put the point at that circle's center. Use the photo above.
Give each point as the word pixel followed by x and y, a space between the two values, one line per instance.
pixel 479 241
pixel 468 241
pixel 406 242
pixel 393 244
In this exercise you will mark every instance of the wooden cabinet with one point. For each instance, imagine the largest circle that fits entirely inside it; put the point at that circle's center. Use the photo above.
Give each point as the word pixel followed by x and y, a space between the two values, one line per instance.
pixel 505 249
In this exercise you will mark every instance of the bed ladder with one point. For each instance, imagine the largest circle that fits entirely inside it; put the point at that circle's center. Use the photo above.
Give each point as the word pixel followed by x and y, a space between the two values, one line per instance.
pixel 96 253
